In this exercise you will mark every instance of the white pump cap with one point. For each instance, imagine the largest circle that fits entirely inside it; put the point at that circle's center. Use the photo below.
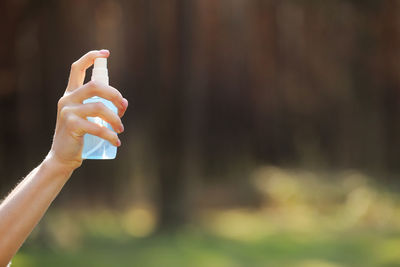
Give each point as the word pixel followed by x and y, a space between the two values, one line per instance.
pixel 100 72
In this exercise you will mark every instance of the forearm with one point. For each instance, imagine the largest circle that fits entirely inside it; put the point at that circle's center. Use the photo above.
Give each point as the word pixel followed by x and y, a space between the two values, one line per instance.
pixel 26 204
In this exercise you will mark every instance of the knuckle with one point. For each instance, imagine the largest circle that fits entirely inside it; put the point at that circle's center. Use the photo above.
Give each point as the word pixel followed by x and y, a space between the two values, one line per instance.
pixel 71 121
pixel 65 111
pixel 93 84
pixel 117 120
pixel 99 106
pixel 74 65
pixel 117 97
pixel 113 137
pixel 61 103
pixel 94 87
pixel 101 131
pixel 117 93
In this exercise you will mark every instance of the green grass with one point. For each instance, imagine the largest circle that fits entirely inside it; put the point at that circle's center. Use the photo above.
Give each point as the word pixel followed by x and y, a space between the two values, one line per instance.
pixel 194 248
pixel 307 219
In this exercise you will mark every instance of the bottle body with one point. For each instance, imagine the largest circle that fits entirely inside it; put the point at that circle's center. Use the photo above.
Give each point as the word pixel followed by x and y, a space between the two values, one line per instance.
pixel 95 147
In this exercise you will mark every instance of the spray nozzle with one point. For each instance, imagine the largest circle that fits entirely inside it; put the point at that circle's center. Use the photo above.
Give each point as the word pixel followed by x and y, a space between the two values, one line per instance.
pixel 100 62
pixel 100 72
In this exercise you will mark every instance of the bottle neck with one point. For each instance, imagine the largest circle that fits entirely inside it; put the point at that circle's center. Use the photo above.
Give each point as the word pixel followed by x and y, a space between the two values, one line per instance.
pixel 100 75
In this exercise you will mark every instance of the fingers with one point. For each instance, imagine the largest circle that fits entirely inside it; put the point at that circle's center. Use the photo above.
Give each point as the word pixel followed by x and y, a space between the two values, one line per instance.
pixel 79 127
pixel 73 113
pixel 93 88
pixel 78 68
pixel 97 110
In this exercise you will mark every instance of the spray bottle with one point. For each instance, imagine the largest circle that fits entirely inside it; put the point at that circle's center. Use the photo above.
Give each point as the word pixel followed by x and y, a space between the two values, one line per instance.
pixel 95 147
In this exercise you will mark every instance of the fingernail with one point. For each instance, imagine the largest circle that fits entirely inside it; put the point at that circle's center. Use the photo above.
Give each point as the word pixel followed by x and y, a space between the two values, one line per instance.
pixel 124 104
pixel 104 52
pixel 118 142
pixel 121 128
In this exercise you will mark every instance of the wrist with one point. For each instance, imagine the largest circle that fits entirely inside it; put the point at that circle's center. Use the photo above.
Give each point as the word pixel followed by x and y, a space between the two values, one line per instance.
pixel 61 165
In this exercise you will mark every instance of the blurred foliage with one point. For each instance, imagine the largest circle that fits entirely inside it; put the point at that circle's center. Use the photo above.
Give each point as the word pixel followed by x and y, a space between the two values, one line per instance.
pixel 307 219
pixel 270 126
pixel 199 248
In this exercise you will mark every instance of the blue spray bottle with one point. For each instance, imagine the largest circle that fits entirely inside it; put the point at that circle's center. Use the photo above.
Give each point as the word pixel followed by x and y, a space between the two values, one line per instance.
pixel 94 147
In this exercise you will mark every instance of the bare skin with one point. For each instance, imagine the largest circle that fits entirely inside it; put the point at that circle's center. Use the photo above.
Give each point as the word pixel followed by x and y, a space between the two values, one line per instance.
pixel 25 205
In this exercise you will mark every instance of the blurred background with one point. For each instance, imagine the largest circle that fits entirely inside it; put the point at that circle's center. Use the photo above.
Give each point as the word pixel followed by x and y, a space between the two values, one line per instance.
pixel 259 132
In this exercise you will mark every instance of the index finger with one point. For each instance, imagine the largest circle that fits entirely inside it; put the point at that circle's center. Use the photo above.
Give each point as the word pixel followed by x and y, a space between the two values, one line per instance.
pixel 93 88
pixel 78 68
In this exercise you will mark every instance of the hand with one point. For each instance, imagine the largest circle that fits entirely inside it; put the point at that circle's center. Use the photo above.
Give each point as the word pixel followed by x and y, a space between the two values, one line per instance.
pixel 71 123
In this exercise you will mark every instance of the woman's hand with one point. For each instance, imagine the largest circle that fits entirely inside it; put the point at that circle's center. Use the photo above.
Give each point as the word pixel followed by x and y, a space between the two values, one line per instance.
pixel 26 204
pixel 72 124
